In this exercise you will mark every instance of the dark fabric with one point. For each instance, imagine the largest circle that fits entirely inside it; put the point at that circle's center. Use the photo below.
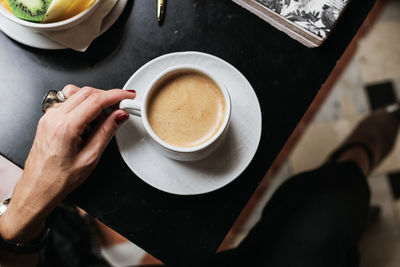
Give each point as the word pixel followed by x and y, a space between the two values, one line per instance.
pixel 72 241
pixel 314 219
pixel 368 151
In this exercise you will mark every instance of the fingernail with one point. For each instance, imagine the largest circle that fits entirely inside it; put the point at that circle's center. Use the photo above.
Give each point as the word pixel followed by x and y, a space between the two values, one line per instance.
pixel 131 91
pixel 121 118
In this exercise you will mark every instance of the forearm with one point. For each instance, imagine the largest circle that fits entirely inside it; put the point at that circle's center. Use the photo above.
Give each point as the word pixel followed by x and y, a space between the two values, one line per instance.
pixel 59 161
pixel 23 221
pixel 14 228
pixel 26 214
pixel 20 225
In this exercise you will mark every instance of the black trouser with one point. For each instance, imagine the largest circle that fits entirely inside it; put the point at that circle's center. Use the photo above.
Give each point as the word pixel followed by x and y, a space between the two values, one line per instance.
pixel 314 219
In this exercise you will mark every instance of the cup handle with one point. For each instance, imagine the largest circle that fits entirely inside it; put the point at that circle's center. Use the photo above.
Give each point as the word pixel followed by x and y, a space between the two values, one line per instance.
pixel 131 106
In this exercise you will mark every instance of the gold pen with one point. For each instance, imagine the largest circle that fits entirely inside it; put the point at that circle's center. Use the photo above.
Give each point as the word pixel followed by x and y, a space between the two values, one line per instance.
pixel 160 10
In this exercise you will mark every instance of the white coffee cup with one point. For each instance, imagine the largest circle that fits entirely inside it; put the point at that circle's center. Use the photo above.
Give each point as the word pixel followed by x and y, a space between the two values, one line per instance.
pixel 139 108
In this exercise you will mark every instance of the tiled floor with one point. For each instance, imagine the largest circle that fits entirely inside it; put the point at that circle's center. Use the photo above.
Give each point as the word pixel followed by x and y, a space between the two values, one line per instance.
pixel 377 61
pixel 380 245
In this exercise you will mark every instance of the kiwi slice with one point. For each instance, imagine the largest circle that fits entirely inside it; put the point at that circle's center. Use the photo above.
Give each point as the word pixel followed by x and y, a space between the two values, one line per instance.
pixel 32 10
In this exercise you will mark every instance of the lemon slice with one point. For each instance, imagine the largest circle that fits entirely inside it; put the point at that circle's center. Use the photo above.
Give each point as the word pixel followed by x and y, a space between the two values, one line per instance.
pixel 65 9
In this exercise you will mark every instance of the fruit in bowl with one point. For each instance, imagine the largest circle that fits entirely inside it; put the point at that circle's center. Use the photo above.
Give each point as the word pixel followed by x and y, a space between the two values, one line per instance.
pixel 48 15
pixel 46 11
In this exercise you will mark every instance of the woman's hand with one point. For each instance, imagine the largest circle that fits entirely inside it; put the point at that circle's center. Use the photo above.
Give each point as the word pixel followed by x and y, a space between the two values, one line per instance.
pixel 60 159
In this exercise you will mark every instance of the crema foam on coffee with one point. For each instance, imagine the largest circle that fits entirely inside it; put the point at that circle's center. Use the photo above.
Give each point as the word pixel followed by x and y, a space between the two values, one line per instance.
pixel 186 109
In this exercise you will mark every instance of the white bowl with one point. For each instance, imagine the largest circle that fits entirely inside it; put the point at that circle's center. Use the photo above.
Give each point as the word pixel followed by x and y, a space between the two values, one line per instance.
pixel 54 26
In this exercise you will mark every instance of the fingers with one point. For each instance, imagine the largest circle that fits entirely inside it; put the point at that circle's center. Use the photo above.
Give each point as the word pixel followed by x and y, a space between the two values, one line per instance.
pixel 94 104
pixel 78 96
pixel 69 90
pixel 102 135
pixel 53 106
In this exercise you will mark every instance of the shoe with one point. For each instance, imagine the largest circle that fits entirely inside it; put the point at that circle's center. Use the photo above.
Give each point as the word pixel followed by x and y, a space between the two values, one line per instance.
pixel 375 134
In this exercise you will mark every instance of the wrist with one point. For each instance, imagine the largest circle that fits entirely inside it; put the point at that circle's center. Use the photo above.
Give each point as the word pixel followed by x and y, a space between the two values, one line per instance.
pixel 17 226
pixel 20 239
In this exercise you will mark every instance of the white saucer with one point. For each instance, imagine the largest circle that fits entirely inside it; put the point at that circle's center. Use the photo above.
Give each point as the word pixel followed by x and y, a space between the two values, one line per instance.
pixel 37 40
pixel 214 172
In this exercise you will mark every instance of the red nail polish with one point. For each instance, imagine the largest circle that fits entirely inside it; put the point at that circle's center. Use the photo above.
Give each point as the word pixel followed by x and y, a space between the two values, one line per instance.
pixel 121 118
pixel 132 91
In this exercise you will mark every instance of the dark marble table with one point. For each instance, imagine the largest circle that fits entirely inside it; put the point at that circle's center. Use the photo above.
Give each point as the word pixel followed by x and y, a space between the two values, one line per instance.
pixel 285 75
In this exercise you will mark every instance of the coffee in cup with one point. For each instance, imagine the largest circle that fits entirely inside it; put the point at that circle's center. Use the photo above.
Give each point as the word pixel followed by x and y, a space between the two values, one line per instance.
pixel 186 109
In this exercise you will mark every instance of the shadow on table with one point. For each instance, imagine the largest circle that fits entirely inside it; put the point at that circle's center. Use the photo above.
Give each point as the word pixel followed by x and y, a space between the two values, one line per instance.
pixel 223 160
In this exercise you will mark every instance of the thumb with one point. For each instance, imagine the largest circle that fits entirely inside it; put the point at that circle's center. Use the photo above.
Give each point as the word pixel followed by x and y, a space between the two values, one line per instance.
pixel 103 133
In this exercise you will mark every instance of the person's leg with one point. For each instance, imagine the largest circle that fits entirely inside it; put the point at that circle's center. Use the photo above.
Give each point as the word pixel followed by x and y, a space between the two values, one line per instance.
pixel 313 219
pixel 372 139
pixel 316 218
